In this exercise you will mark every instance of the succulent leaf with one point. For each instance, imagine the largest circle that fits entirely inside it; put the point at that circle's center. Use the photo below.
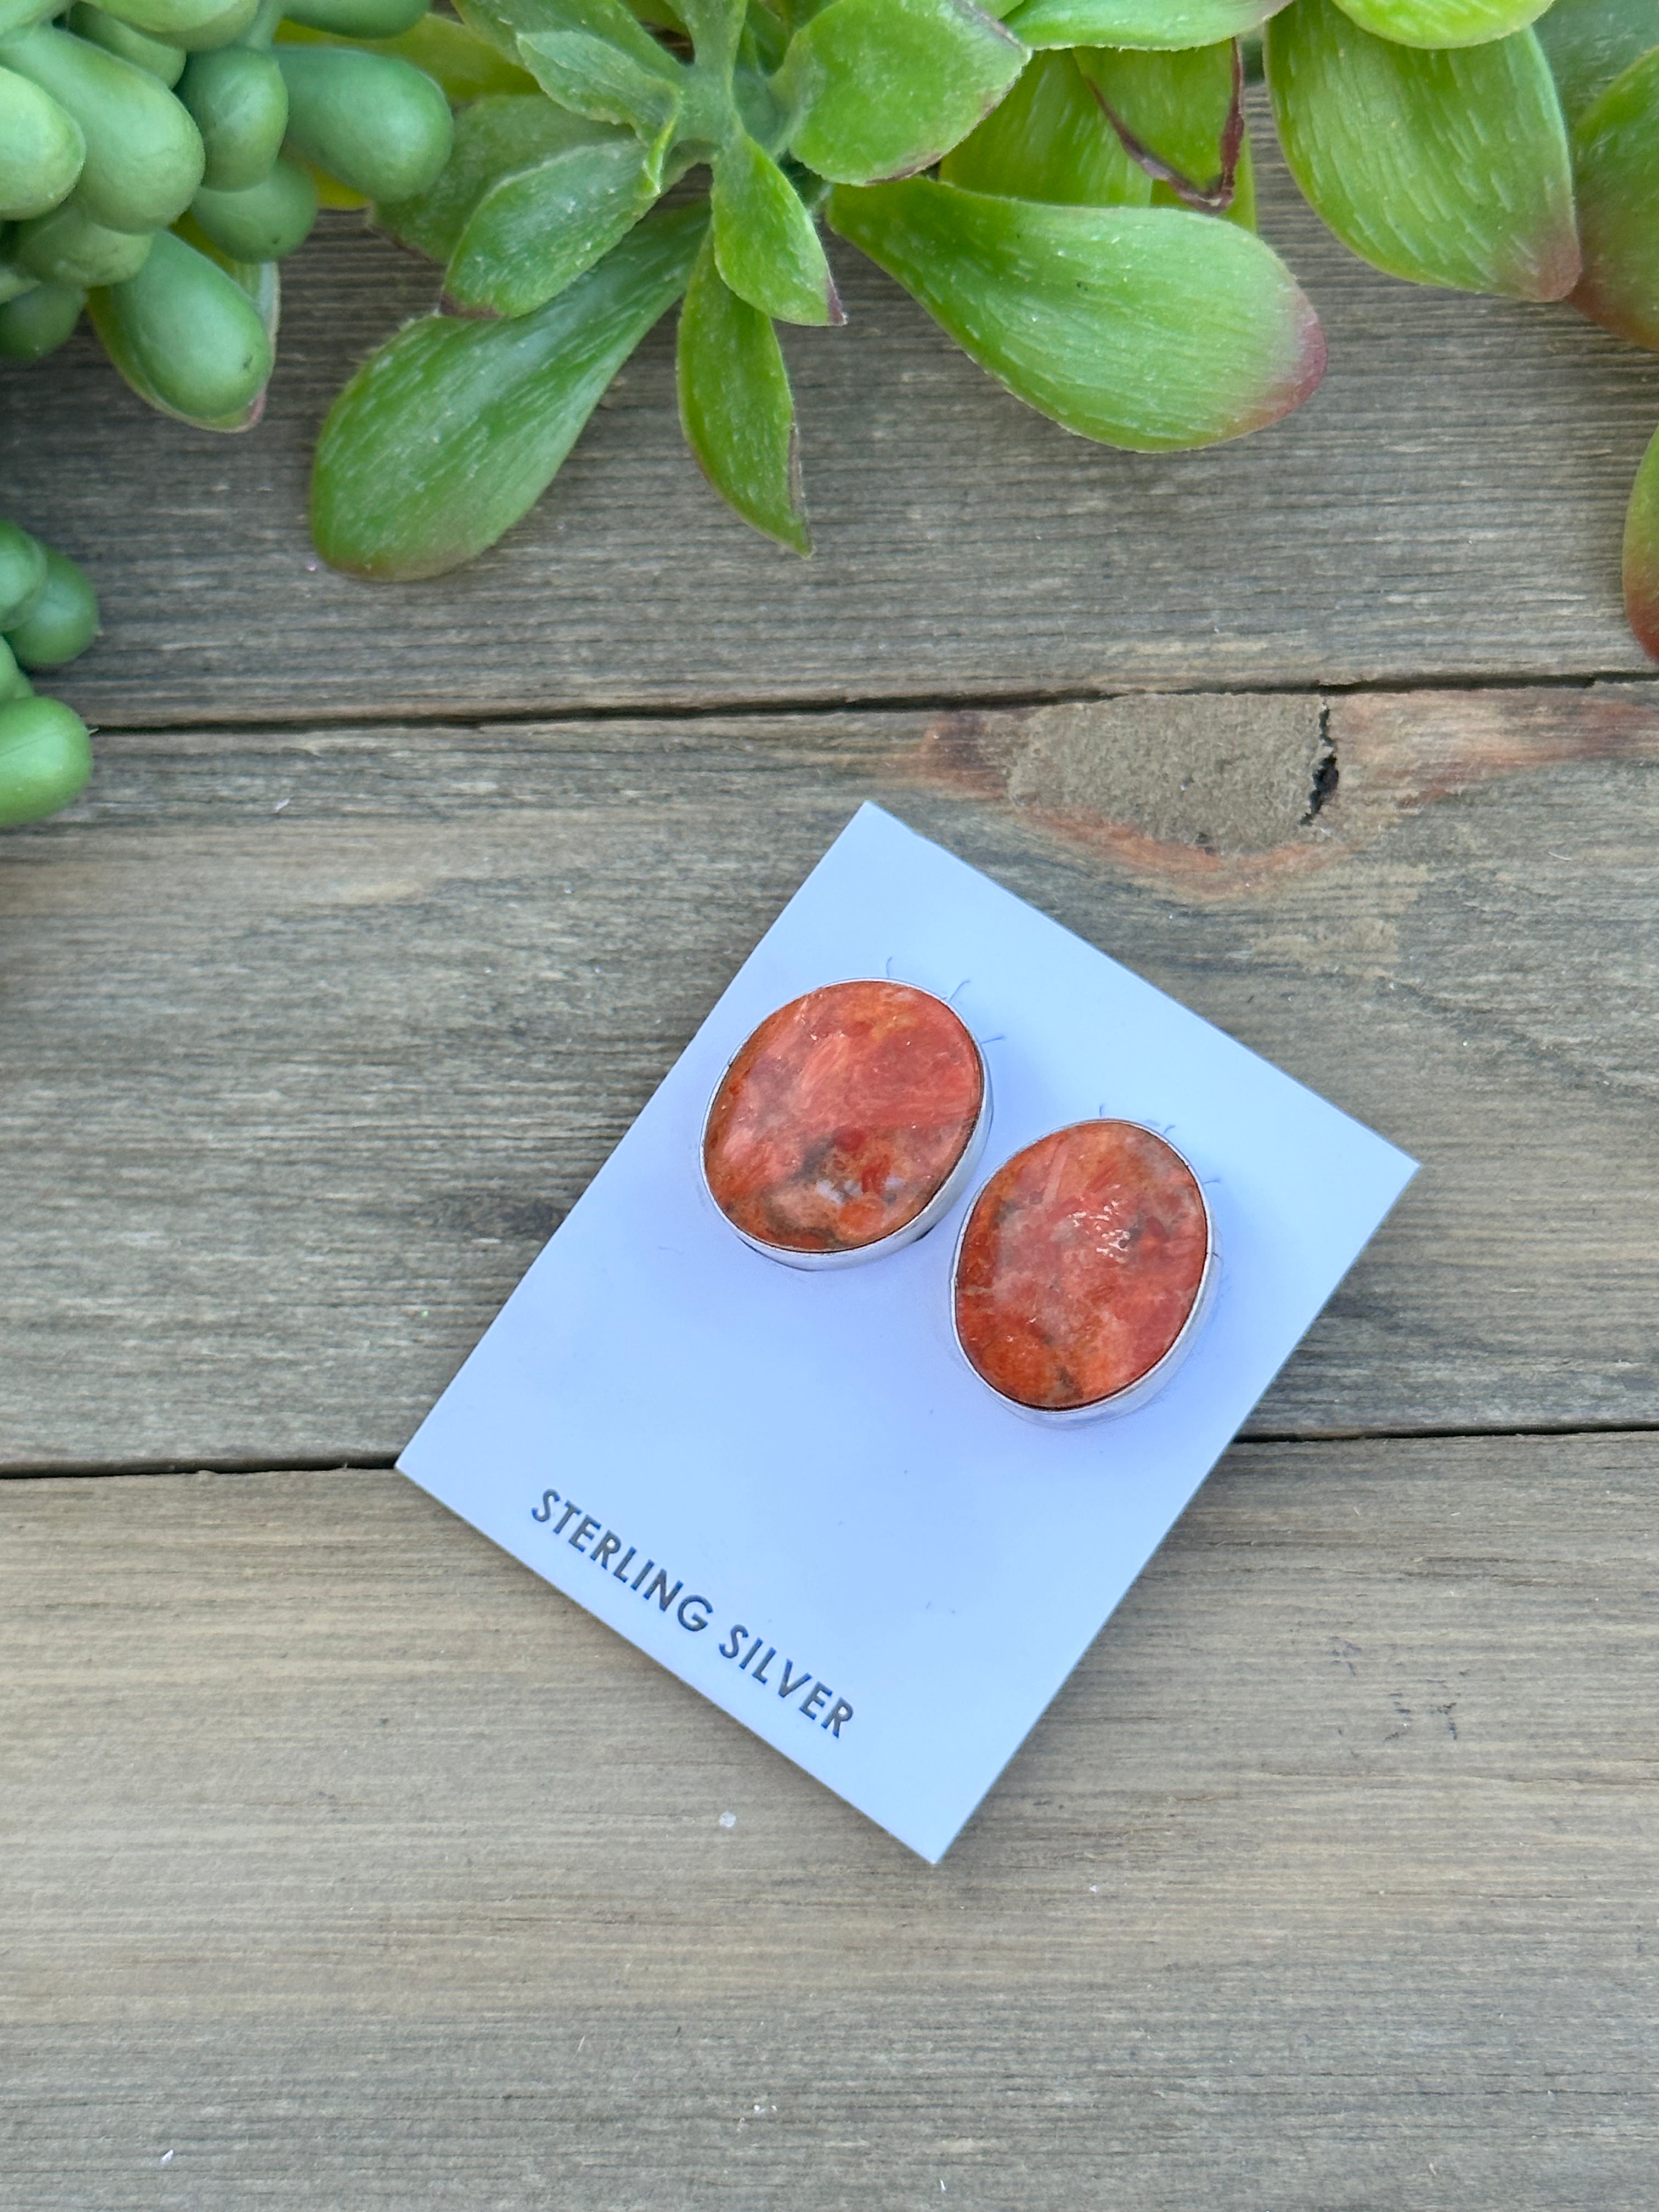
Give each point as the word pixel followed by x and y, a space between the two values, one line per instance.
pixel 1153 328
pixel 1617 148
pixel 1167 25
pixel 883 87
pixel 453 429
pixel 764 242
pixel 1642 552
pixel 1442 23
pixel 193 334
pixel 736 408
pixel 534 233
pixel 593 78
pixel 1049 141
pixel 1448 168
pixel 495 137
pixel 1181 118
pixel 1588 43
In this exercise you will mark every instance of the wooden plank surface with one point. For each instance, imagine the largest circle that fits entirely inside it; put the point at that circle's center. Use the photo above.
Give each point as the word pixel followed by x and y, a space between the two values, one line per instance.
pixel 311 1038
pixel 1449 505
pixel 349 1865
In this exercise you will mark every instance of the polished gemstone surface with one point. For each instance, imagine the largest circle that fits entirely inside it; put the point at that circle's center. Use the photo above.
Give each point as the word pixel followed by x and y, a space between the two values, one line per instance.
pixel 842 1117
pixel 1081 1260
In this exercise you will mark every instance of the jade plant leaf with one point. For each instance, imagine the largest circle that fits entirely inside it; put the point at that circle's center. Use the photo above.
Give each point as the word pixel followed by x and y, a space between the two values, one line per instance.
pixel 1588 43
pixel 596 79
pixel 1642 553
pixel 1442 23
pixel 1617 146
pixel 1448 168
pixel 1167 24
pixel 495 137
pixel 765 243
pixel 453 429
pixel 1154 328
pixel 736 408
pixel 534 233
pixel 1181 117
pixel 1049 140
pixel 883 87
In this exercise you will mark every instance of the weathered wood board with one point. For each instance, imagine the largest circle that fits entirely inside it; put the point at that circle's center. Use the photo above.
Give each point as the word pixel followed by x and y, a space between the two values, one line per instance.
pixel 311 1038
pixel 1449 504
pixel 344 1863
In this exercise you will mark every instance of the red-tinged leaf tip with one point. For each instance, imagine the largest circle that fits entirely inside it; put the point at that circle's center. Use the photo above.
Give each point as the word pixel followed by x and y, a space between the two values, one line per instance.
pixel 836 312
pixel 1303 379
pixel 1642 553
pixel 1553 270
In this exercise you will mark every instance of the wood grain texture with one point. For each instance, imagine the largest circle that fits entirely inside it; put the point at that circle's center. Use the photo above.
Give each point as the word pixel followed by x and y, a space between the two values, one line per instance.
pixel 1449 504
pixel 311 1038
pixel 351 1865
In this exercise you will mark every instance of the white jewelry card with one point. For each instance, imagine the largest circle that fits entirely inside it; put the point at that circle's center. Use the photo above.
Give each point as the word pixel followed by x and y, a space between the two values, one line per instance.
pixel 788 1487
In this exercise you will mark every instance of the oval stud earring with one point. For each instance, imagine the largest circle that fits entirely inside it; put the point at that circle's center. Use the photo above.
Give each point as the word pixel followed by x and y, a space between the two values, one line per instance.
pixel 849 1124
pixel 1083 1272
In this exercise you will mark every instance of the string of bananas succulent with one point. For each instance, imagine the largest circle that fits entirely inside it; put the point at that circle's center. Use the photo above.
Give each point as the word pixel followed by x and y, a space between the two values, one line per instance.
pixel 48 614
pixel 157 159
pixel 1065 185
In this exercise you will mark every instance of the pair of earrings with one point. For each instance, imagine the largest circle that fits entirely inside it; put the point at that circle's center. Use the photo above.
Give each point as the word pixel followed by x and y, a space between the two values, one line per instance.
pixel 852 1120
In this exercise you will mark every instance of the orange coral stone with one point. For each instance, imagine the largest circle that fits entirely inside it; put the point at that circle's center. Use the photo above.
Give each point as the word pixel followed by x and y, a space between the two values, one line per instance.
pixel 842 1117
pixel 1080 1263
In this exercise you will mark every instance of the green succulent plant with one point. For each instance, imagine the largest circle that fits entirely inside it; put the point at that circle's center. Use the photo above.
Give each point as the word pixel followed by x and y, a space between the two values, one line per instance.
pixel 1066 185
pixel 48 614
pixel 158 157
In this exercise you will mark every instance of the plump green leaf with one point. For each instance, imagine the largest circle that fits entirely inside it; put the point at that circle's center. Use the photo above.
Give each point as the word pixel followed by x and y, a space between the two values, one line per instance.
pixel 1617 146
pixel 1588 43
pixel 60 620
pixel 192 334
pixel 596 79
pixel 41 149
pixel 379 124
pixel 1049 141
pixel 37 321
pixel 454 431
pixel 764 241
pixel 534 233
pixel 1168 24
pixel 1642 553
pixel 1448 168
pixel 1442 23
pixel 495 137
pixel 1152 328
pixel 736 408
pixel 45 758
pixel 884 88
pixel 1180 116
pixel 262 223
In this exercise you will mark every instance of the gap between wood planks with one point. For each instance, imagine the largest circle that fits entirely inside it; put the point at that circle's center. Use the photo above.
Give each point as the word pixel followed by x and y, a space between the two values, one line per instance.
pixel 707 707
pixel 291 1463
